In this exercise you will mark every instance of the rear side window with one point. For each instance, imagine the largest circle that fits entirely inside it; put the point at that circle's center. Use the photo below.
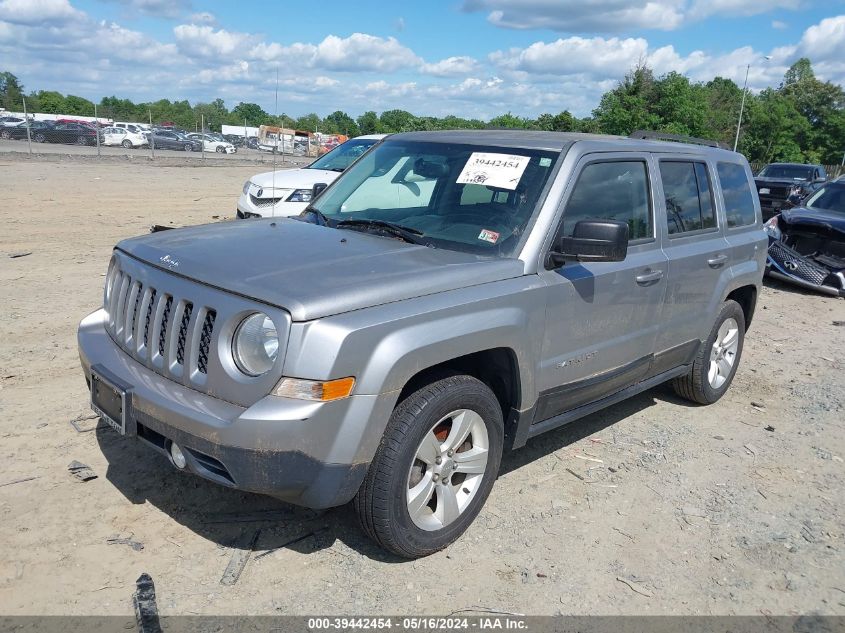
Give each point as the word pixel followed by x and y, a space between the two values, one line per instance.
pixel 739 201
pixel 616 190
pixel 689 197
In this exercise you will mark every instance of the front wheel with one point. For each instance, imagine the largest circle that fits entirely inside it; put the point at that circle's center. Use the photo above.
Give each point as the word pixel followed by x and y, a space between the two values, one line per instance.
pixel 435 467
pixel 81 140
pixel 220 150
pixel 717 359
pixel 39 138
pixel 5 134
pixel 188 147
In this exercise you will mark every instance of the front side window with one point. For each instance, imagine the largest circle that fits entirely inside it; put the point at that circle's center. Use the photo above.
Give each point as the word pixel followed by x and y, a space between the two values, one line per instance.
pixel 615 190
pixel 736 192
pixel 689 198
pixel 831 197
pixel 471 198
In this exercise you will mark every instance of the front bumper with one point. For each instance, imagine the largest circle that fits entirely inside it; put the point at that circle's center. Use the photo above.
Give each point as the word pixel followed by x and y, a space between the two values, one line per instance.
pixel 307 453
pixel 785 264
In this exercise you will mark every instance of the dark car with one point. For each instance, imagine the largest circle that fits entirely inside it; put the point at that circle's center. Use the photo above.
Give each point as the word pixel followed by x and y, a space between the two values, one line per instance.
pixel 169 139
pixel 234 139
pixel 783 185
pixel 36 131
pixel 807 243
pixel 78 133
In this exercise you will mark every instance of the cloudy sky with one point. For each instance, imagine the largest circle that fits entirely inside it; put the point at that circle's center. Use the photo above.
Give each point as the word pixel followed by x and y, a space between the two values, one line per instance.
pixel 473 58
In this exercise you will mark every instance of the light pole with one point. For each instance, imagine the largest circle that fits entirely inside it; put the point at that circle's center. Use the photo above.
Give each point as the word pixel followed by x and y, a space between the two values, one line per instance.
pixel 742 104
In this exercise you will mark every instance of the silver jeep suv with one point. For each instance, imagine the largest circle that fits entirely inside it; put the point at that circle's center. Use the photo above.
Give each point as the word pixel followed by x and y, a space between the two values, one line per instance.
pixel 449 297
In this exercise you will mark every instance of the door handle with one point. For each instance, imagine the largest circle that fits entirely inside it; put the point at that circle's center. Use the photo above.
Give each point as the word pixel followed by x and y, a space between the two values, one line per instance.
pixel 648 278
pixel 716 262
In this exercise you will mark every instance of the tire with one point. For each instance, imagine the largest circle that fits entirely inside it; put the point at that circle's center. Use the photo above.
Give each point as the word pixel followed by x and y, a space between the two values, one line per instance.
pixel 6 134
pixel 220 150
pixel 188 147
pixel 432 412
pixel 127 144
pixel 39 138
pixel 82 140
pixel 709 377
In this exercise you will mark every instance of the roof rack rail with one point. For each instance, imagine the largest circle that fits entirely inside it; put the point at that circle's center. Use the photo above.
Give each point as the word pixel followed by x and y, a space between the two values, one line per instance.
pixel 678 138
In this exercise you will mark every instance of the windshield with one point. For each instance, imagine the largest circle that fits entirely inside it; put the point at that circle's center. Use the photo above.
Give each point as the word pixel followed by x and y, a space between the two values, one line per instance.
pixel 471 198
pixel 830 197
pixel 344 154
pixel 788 172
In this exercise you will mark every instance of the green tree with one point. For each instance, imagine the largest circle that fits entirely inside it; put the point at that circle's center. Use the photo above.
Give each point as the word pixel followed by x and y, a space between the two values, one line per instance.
pixel 339 122
pixel 368 123
pixel 51 102
pixel 397 121
pixel 774 127
pixel 680 106
pixel 722 109
pixel 11 92
pixel 252 113
pixel 78 106
pixel 510 120
pixel 627 107
pixel 309 123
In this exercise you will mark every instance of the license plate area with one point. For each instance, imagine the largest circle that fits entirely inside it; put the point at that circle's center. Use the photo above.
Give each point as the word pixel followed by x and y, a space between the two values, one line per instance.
pixel 110 401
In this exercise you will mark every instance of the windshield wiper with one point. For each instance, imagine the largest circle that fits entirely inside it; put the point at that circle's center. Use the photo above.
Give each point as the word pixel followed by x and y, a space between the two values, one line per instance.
pixel 403 232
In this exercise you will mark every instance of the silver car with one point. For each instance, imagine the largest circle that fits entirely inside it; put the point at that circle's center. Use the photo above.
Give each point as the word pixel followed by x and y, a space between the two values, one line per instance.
pixel 449 297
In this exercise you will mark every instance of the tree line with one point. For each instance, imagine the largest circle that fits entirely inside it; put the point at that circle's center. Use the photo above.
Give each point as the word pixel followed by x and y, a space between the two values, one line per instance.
pixel 802 120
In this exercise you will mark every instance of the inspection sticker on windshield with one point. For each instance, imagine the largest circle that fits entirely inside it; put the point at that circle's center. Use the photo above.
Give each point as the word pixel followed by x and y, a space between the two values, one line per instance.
pixel 502 171
pixel 488 236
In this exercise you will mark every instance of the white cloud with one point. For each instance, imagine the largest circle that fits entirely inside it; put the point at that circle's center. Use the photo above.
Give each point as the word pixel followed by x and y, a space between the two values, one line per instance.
pixel 360 51
pixel 613 16
pixel 205 41
pixel 158 8
pixel 606 16
pixel 574 55
pixel 37 11
pixel 451 66
pixel 777 24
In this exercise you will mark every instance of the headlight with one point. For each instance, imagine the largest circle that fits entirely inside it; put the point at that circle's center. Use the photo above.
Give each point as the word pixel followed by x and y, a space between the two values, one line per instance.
pixel 300 195
pixel 255 345
pixel 247 185
pixel 772 230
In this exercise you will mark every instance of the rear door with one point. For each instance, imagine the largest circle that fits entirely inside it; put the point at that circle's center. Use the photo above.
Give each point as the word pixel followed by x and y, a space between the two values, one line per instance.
pixel 742 216
pixel 602 318
pixel 698 255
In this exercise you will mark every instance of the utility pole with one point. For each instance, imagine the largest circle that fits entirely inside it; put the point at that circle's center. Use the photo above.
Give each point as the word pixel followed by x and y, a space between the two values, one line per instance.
pixel 152 136
pixel 97 126
pixel 741 107
pixel 26 120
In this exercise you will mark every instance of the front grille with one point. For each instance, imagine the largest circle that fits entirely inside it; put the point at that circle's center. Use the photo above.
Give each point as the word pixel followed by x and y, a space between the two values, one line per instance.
pixel 205 341
pixel 159 328
pixel 775 192
pixel 794 264
pixel 183 333
pixel 264 202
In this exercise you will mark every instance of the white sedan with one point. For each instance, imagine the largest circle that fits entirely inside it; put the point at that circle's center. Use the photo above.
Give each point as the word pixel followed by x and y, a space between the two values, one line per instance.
pixel 287 192
pixel 124 137
pixel 213 144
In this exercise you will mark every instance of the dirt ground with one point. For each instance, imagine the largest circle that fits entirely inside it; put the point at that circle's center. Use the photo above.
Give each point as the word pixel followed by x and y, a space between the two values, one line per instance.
pixel 650 507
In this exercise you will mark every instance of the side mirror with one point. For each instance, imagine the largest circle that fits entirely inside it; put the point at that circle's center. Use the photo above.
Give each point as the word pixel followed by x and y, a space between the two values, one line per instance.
pixel 592 241
pixel 317 189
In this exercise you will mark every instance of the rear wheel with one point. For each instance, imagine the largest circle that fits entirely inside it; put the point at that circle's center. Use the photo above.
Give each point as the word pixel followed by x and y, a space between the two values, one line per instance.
pixel 188 147
pixel 6 134
pixel 435 467
pixel 717 359
pixel 82 140
pixel 127 144
pixel 39 138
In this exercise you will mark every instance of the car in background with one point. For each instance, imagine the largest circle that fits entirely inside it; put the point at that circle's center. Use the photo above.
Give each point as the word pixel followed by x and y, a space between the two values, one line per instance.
pixel 783 185
pixel 807 243
pixel 213 143
pixel 169 139
pixel 9 121
pixel 18 132
pixel 125 138
pixel 78 133
pixel 234 139
pixel 288 192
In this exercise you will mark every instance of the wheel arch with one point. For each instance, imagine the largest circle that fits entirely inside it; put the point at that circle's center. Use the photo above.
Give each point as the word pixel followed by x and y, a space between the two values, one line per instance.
pixel 746 297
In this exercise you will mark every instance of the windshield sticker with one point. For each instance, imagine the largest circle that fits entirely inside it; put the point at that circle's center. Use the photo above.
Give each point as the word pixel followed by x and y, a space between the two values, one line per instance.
pixel 545 162
pixel 488 236
pixel 501 171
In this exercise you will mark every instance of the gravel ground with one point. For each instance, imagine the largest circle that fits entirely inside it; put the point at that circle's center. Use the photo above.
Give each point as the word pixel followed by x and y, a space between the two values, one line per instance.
pixel 650 507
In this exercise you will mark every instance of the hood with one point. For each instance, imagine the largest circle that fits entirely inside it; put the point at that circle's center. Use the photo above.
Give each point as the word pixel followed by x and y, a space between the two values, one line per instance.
pixel 815 217
pixel 295 178
pixel 307 270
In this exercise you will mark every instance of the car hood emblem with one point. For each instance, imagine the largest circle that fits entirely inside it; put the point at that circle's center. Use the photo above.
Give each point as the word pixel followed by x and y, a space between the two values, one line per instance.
pixel 259 193
pixel 168 261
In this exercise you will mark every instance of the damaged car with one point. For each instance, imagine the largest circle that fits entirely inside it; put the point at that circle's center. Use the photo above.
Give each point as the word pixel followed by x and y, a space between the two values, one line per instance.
pixel 807 243
pixel 782 185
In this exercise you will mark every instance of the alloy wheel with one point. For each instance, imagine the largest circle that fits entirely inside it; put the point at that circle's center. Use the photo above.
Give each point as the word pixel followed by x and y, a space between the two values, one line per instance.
pixel 723 353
